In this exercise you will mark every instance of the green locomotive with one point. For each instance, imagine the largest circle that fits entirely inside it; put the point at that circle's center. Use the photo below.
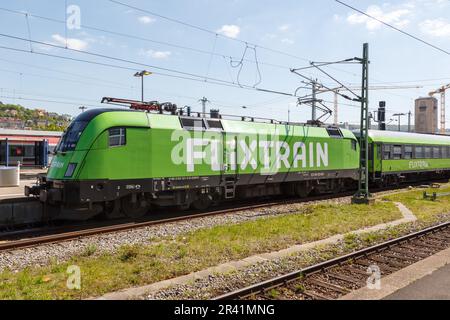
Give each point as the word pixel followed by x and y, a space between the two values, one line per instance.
pixel 119 161
pixel 122 162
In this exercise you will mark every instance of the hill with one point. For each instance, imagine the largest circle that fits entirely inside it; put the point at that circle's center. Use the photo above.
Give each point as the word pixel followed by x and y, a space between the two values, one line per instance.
pixel 17 117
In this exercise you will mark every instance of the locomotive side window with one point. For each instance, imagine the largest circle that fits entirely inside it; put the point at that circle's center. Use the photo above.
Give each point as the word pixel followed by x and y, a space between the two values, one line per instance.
pixel 354 143
pixel 117 137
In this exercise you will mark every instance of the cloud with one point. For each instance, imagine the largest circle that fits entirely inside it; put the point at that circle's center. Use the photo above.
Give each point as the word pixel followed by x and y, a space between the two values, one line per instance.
pixel 284 28
pixel 230 30
pixel 146 20
pixel 287 41
pixel 435 27
pixel 72 43
pixel 396 17
pixel 157 54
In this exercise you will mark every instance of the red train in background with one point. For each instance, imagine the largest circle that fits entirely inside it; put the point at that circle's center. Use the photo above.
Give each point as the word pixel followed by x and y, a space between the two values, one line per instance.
pixel 30 148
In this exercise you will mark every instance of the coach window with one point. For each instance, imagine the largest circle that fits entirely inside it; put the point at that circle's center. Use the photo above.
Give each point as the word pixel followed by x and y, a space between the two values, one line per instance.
pixel 444 153
pixel 419 152
pixel 117 137
pixel 397 152
pixel 428 153
pixel 386 152
pixel 408 152
pixel 436 152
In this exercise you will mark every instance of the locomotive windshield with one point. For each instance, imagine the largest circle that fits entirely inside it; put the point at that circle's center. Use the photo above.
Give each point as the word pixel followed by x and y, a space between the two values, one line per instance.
pixel 70 138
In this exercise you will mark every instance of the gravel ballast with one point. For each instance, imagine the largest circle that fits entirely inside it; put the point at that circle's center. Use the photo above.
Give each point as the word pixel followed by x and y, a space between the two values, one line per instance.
pixel 218 284
pixel 59 252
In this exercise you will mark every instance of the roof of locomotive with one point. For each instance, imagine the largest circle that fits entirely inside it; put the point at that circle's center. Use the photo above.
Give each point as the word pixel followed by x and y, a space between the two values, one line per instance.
pixel 167 121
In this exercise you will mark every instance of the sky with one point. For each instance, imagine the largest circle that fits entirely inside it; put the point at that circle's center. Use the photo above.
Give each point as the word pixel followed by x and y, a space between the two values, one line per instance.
pixel 222 50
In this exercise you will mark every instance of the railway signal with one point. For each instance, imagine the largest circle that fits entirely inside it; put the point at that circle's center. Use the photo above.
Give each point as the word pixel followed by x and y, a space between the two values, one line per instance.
pixel 371 88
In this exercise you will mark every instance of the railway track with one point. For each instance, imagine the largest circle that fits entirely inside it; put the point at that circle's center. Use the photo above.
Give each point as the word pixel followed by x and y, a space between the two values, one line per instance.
pixel 19 239
pixel 335 278
pixel 46 235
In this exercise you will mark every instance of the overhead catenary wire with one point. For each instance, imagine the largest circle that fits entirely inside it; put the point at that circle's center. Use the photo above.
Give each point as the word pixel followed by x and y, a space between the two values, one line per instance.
pixel 199 28
pixel 146 39
pixel 20 93
pixel 74 103
pixel 227 83
pixel 83 76
pixel 190 25
pixel 394 27
pixel 176 45
pixel 62 79
pixel 184 75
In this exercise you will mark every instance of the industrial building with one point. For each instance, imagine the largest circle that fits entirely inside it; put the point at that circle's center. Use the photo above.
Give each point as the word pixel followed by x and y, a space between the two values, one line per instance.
pixel 30 148
pixel 426 111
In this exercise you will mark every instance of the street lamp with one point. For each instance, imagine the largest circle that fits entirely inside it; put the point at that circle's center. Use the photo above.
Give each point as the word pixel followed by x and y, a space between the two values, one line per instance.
pixel 142 74
pixel 399 115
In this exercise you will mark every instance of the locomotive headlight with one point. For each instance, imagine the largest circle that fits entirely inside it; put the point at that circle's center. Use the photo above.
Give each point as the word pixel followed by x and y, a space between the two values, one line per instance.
pixel 70 170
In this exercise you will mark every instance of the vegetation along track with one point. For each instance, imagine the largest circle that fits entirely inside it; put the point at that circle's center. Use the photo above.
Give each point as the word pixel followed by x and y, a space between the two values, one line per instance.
pixel 19 239
pixel 337 277
pixel 46 235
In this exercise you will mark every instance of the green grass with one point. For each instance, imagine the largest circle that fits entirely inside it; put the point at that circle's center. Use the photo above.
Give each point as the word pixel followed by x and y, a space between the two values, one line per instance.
pixel 425 210
pixel 172 257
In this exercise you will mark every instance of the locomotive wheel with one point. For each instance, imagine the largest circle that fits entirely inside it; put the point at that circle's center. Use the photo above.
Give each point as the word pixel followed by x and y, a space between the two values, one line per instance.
pixel 203 202
pixel 302 190
pixel 183 207
pixel 111 210
pixel 134 209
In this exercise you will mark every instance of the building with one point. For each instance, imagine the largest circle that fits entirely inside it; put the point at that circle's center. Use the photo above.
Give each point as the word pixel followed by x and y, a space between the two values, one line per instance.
pixel 30 148
pixel 426 115
pixel 11 123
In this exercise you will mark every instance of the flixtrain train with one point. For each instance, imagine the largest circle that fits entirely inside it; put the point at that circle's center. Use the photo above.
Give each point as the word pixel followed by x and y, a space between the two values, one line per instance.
pixel 123 162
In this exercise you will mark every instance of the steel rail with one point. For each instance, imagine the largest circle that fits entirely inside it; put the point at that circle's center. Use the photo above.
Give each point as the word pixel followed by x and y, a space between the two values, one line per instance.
pixel 66 236
pixel 296 275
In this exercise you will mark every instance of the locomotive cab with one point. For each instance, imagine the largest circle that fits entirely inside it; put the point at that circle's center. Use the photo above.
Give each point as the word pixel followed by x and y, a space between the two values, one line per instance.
pixel 78 177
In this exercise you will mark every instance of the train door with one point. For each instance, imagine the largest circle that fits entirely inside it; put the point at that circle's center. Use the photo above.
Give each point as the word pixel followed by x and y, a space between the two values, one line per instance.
pixel 3 152
pixel 41 153
pixel 230 167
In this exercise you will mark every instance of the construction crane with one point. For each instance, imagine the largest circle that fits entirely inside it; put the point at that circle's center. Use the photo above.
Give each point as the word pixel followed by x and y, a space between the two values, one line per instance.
pixel 441 90
pixel 336 95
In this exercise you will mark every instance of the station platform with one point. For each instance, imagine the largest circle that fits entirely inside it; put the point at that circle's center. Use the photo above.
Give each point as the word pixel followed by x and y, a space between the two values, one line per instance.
pixel 27 177
pixel 435 286
pixel 428 279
